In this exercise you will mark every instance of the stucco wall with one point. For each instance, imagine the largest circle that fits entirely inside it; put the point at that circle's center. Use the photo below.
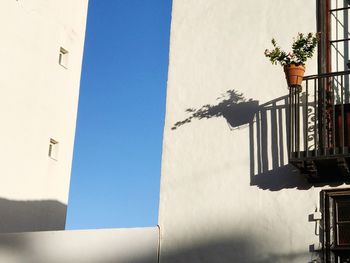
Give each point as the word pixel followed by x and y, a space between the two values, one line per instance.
pixel 227 193
pixel 134 245
pixel 38 101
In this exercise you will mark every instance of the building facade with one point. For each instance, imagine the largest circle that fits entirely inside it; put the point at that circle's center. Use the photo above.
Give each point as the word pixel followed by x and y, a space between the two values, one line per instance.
pixel 229 192
pixel 252 171
pixel 41 56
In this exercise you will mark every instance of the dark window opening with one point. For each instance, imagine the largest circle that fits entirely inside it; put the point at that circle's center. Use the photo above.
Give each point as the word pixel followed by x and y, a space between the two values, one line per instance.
pixel 63 57
pixel 336 224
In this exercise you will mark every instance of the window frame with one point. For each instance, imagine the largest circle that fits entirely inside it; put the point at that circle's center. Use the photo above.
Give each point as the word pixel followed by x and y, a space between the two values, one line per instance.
pixel 53 149
pixel 63 58
pixel 330 237
pixel 324 27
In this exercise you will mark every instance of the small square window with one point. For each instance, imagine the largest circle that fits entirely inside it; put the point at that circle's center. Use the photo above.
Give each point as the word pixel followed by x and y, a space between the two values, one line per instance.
pixel 63 58
pixel 53 149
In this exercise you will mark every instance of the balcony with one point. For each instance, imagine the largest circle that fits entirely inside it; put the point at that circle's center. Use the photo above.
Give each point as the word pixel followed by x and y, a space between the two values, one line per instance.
pixel 319 127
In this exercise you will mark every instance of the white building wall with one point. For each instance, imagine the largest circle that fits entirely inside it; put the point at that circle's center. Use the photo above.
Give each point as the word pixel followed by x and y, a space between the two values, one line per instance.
pixel 38 101
pixel 228 195
pixel 134 245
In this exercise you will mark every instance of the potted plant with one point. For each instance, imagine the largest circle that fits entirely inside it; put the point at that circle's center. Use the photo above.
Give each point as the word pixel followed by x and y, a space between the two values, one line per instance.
pixel 303 48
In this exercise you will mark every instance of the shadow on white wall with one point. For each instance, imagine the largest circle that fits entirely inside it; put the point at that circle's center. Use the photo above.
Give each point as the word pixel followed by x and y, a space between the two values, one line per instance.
pixel 268 133
pixel 239 248
pixel 25 216
pixel 129 245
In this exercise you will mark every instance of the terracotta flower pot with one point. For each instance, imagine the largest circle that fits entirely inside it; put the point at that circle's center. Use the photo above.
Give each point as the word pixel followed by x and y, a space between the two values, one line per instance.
pixel 294 74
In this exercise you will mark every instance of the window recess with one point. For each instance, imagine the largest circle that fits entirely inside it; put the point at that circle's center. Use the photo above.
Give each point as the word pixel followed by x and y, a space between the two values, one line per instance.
pixel 53 149
pixel 336 222
pixel 63 57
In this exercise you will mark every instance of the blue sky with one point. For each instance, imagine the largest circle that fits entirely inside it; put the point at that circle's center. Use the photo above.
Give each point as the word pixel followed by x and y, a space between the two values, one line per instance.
pixel 117 153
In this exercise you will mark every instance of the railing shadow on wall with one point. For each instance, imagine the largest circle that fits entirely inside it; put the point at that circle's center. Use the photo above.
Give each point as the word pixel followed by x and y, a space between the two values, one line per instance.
pixel 268 137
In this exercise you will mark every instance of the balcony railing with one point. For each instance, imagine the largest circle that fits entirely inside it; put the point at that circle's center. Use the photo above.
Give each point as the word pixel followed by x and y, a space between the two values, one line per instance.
pixel 319 131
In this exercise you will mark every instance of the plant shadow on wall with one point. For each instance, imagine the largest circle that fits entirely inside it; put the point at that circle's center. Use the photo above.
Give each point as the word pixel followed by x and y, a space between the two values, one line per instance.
pixel 268 133
pixel 231 105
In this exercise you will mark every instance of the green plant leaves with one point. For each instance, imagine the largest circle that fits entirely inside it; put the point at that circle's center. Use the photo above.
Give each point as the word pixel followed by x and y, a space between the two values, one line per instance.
pixel 303 48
